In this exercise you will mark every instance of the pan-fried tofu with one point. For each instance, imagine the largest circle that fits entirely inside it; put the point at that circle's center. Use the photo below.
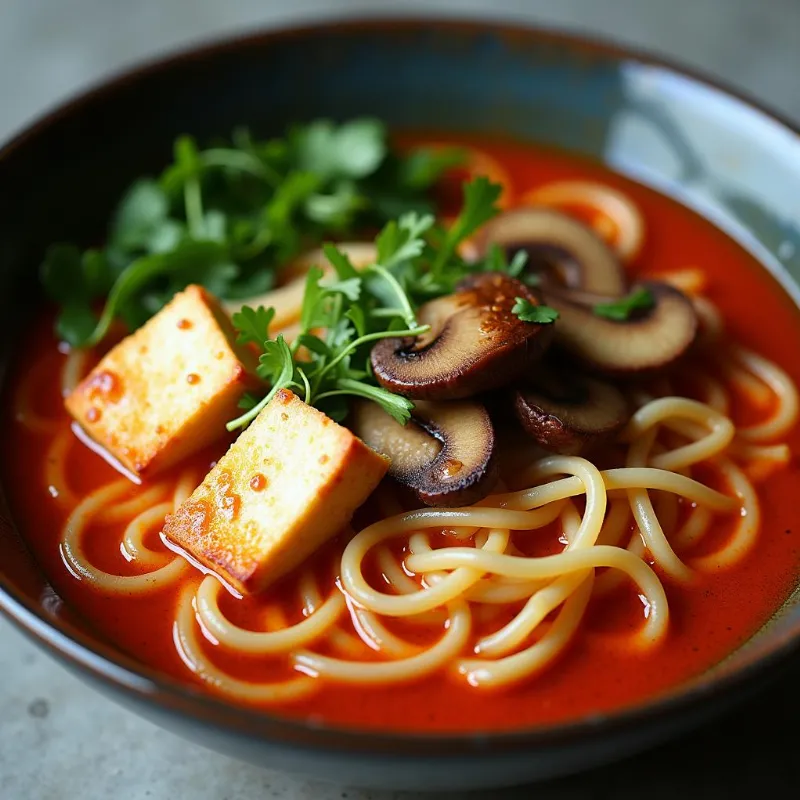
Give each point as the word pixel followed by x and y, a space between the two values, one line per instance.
pixel 168 389
pixel 291 481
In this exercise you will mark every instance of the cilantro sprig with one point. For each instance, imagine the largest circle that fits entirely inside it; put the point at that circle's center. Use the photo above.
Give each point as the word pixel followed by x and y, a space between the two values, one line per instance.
pixel 228 215
pixel 340 320
pixel 345 314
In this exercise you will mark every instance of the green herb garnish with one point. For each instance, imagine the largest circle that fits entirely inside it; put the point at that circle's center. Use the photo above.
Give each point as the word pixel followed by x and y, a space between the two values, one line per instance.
pixel 344 314
pixel 227 216
pixel 528 312
pixel 622 309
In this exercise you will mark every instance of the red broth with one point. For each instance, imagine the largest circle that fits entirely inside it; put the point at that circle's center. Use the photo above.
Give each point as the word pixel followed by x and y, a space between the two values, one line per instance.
pixel 709 617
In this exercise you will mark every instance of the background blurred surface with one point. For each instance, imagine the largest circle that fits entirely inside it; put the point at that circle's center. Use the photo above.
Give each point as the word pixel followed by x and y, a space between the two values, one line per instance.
pixel 58 739
pixel 51 48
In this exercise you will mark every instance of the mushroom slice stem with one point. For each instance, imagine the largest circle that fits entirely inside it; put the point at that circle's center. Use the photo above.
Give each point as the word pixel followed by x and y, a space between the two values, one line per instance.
pixel 445 454
pixel 569 413
pixel 563 250
pixel 476 343
pixel 648 340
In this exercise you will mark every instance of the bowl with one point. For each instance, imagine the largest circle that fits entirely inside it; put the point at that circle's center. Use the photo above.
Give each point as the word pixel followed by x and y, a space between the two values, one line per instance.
pixel 716 152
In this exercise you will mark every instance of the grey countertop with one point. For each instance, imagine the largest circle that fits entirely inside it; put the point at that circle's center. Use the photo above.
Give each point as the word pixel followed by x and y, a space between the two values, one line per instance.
pixel 60 740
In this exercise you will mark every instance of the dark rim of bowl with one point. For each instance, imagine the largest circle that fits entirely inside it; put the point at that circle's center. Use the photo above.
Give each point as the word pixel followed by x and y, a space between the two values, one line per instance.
pixel 115 668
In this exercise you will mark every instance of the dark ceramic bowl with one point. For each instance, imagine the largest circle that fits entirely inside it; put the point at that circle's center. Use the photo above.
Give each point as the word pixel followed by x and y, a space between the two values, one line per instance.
pixel 718 153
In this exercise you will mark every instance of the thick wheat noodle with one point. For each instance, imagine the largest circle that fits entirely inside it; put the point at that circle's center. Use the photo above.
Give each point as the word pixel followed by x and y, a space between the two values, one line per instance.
pixel 770 374
pixel 666 509
pixel 55 474
pixel 645 516
pixel 133 537
pixel 347 644
pixel 391 568
pixel 87 511
pixel 311 629
pixel 191 651
pixel 122 510
pixel 495 590
pixel 744 536
pixel 580 533
pixel 402 670
pixel 712 326
pixel 780 453
pixel 521 665
pixel 539 605
pixel 554 566
pixel 428 598
pixel 620 478
pixel 720 435
pixel 378 637
pixel 740 378
pixel 693 529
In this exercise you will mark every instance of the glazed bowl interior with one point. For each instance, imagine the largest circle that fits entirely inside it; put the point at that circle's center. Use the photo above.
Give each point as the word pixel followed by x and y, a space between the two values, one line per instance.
pixel 734 163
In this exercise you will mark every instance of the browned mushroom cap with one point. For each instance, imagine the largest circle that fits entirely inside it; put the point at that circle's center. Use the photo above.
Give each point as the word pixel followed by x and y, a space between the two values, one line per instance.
pixel 559 247
pixel 475 343
pixel 445 454
pixel 648 340
pixel 569 413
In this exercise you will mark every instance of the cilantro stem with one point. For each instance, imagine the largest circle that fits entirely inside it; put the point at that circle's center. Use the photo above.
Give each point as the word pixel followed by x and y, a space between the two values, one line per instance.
pixel 369 337
pixel 193 201
pixel 306 385
pixel 398 407
pixel 249 416
pixel 241 161
pixel 387 312
pixel 402 297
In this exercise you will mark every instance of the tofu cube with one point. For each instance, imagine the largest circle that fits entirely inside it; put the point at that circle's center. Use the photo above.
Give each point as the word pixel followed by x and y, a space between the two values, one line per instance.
pixel 168 389
pixel 286 485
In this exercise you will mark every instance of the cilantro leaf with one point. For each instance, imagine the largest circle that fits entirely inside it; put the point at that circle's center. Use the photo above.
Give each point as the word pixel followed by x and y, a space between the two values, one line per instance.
pixel 259 202
pixel 253 324
pixel 622 309
pixel 399 408
pixel 140 218
pixel 350 288
pixel 352 150
pixel 528 312
pixel 340 262
pixel 402 240
pixel 480 198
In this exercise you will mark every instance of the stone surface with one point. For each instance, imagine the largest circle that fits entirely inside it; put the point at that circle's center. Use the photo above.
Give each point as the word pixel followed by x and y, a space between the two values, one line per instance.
pixel 60 740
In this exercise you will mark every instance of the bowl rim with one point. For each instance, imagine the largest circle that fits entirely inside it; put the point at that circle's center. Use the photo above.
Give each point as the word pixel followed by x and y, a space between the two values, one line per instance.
pixel 117 670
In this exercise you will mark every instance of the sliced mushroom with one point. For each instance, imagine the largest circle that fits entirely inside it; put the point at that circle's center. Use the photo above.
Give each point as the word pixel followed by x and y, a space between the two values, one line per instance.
pixel 561 249
pixel 648 340
pixel 569 413
pixel 476 343
pixel 445 454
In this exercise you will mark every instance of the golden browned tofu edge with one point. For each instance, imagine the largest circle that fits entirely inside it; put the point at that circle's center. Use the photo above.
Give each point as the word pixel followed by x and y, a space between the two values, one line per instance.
pixel 245 562
pixel 142 448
